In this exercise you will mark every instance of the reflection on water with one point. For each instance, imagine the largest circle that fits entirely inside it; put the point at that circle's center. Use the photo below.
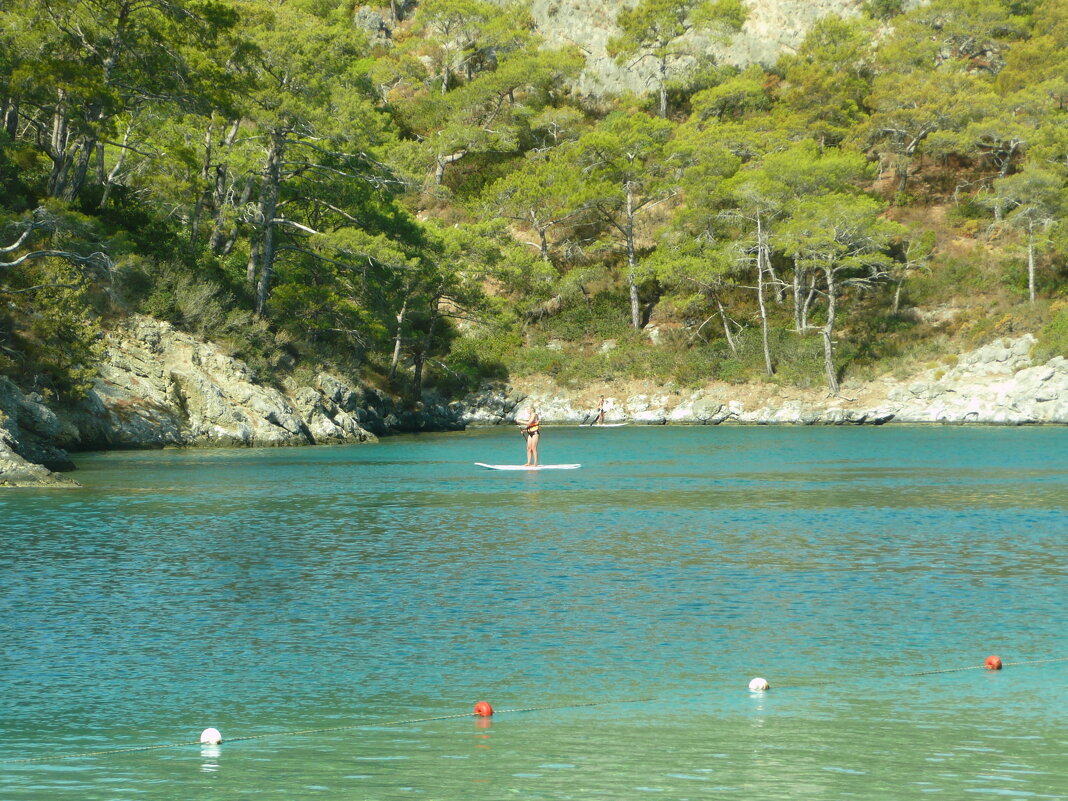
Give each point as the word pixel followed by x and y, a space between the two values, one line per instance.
pixel 348 589
pixel 209 755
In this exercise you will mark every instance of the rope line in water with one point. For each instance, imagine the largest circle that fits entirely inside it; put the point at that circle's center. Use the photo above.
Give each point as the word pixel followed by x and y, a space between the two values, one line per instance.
pixel 823 682
pixel 99 753
pixel 348 727
pixel 409 721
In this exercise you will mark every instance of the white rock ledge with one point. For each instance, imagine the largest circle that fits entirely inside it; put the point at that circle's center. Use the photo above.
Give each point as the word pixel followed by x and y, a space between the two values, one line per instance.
pixel 995 385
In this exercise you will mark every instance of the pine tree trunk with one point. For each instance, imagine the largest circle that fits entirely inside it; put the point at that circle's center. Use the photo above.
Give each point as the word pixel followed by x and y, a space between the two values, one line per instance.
pixel 807 303
pixel 57 149
pixel 443 162
pixel 76 178
pixel 797 297
pixel 272 179
pixel 544 245
pixel 1031 262
pixel 726 325
pixel 205 192
pixel 11 118
pixel 632 264
pixel 828 330
pixel 902 176
pixel 253 260
pixel 420 357
pixel 663 88
pixel 1007 162
pixel 398 338
pixel 108 180
pixel 776 284
pixel 760 298
pixel 100 163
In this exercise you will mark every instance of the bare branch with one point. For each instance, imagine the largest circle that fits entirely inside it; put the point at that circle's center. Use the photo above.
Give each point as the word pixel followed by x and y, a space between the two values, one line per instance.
pixel 92 260
pixel 79 285
pixel 18 243
pixel 283 221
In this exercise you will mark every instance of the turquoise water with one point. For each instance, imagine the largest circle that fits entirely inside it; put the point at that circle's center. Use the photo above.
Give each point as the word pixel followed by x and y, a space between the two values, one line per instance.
pixel 274 591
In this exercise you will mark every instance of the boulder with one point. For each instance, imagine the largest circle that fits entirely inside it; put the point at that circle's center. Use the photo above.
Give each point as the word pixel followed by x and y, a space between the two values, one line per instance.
pixel 19 442
pixel 32 428
pixel 16 471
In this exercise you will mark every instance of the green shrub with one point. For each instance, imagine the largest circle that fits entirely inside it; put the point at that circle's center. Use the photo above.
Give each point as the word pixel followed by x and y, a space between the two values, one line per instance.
pixel 968 209
pixel 50 340
pixel 606 315
pixel 949 278
pixel 1014 278
pixel 884 9
pixel 1053 336
pixel 474 359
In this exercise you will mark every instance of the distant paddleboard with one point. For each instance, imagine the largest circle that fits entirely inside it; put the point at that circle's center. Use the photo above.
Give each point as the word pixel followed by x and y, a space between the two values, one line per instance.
pixel 607 425
pixel 525 467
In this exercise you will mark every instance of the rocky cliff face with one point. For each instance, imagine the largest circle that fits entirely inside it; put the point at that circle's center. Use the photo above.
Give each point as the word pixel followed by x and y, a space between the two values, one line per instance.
pixel 773 27
pixel 159 386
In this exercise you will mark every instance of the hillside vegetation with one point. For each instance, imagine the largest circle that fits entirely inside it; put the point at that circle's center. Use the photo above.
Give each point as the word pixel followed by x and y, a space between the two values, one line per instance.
pixel 418 196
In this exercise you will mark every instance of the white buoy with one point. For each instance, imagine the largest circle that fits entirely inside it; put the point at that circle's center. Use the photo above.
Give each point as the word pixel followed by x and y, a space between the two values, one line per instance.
pixel 211 736
pixel 758 685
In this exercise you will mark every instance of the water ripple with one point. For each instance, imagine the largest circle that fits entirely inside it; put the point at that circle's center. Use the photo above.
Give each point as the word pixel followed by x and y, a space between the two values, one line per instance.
pixel 270 591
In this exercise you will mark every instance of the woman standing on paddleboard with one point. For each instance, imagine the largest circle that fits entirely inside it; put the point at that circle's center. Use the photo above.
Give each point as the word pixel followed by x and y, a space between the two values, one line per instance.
pixel 531 428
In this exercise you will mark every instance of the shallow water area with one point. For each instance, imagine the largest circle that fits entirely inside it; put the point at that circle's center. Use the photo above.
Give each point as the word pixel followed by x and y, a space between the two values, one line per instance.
pixel 326 603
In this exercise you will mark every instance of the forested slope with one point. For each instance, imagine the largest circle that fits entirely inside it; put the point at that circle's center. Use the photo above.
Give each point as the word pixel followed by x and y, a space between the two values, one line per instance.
pixel 421 194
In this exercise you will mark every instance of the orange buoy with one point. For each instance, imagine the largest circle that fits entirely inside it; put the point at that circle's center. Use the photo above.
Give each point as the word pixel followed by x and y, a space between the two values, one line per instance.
pixel 993 662
pixel 483 709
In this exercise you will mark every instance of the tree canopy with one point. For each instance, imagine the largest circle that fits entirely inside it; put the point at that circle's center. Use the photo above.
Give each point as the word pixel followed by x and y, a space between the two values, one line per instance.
pixel 416 191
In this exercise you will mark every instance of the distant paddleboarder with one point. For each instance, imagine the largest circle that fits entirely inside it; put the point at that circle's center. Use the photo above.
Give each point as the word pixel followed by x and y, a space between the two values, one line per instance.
pixel 531 428
pixel 600 413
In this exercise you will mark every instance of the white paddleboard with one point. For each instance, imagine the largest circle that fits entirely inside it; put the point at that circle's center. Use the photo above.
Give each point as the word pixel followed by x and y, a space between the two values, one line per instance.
pixel 606 425
pixel 525 467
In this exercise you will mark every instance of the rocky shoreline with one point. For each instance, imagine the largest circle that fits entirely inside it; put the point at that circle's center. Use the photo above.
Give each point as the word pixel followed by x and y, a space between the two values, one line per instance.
pixel 994 385
pixel 161 387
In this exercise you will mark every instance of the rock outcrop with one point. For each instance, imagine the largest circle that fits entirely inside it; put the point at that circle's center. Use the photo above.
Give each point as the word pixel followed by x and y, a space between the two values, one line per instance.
pixel 159 386
pixel 27 429
pixel 772 28
pixel 996 384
